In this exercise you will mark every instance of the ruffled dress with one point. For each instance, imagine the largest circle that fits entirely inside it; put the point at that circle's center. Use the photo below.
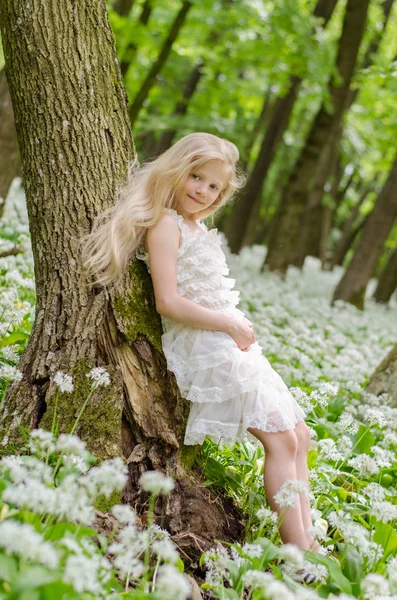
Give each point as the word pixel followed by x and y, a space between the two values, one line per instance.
pixel 230 390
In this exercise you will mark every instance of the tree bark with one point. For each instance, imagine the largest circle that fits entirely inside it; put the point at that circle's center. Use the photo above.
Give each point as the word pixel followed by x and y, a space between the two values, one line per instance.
pixel 293 202
pixel 242 223
pixel 384 380
pixel 353 284
pixel 347 236
pixel 387 283
pixel 75 141
pixel 159 63
pixel 309 239
pixel 9 154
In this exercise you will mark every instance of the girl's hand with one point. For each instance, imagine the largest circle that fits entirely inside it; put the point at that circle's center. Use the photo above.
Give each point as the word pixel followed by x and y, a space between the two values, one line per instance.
pixel 242 333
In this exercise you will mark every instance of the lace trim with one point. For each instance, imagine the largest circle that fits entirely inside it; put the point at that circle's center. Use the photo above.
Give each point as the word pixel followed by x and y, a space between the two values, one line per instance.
pixel 229 433
pixel 234 389
pixel 181 368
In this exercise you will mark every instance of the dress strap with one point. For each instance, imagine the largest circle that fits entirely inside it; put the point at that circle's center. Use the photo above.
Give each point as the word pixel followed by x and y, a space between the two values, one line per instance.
pixel 178 218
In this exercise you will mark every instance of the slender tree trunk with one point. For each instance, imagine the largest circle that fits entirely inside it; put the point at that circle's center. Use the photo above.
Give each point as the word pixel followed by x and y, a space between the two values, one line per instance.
pixel 388 280
pixel 242 223
pixel 353 284
pixel 262 118
pixel 132 48
pixel 383 382
pixel 75 145
pixel 9 153
pixel 309 239
pixel 159 63
pixel 294 198
pixel 181 107
pixel 347 236
pixel 123 7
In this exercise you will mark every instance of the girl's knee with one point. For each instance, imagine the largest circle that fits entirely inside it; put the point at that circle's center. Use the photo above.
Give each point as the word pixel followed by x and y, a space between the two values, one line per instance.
pixel 303 436
pixel 283 442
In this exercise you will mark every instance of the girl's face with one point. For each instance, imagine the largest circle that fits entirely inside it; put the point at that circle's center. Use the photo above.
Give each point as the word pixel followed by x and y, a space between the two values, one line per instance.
pixel 202 187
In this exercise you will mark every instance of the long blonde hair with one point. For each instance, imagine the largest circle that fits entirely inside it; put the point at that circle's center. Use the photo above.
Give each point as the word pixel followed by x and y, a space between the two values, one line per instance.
pixel 150 189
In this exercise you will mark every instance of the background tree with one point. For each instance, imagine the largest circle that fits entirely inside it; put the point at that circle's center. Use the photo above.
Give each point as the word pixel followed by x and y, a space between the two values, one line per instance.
pixel 75 143
pixel 325 125
pixel 353 284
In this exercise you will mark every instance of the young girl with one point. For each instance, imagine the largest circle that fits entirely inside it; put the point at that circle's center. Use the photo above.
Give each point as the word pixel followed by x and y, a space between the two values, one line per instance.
pixel 208 343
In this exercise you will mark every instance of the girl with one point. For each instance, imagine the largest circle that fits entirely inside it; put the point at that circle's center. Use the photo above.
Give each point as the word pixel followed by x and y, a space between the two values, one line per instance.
pixel 208 343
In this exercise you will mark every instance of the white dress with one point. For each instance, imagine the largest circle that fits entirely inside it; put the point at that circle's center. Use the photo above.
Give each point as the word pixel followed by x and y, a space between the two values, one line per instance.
pixel 229 390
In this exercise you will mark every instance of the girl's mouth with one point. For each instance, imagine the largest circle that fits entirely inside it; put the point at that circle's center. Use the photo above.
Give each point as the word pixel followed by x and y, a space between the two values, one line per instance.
pixel 194 199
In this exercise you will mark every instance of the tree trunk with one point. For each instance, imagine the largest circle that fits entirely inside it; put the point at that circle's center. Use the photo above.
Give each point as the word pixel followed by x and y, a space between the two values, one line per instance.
pixel 181 107
pixel 130 51
pixel 75 142
pixel 266 110
pixel 9 154
pixel 293 202
pixel 384 379
pixel 309 239
pixel 387 283
pixel 123 7
pixel 348 232
pixel 242 224
pixel 159 63
pixel 353 284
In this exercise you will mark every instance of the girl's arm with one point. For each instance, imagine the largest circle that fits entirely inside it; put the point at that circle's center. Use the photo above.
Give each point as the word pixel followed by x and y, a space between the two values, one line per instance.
pixel 162 243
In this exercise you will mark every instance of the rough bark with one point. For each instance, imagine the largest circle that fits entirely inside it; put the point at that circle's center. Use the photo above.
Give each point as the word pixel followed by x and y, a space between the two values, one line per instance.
pixel 9 153
pixel 387 283
pixel 75 141
pixel 181 107
pixel 309 238
pixel 353 284
pixel 348 229
pixel 130 51
pixel 241 226
pixel 159 63
pixel 384 380
pixel 327 121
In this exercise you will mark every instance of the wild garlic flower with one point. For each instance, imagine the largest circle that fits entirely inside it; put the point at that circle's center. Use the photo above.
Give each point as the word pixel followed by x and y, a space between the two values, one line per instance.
pixel 23 540
pixel 10 373
pixel 364 465
pixel 71 444
pixel 64 382
pixel 375 416
pixel 375 492
pixel 374 585
pixel 171 584
pixel 252 550
pixel 287 496
pixel 256 579
pixel 384 511
pixel 266 516
pixel 41 442
pixel 156 483
pixel 124 514
pixel 291 554
pixel 99 377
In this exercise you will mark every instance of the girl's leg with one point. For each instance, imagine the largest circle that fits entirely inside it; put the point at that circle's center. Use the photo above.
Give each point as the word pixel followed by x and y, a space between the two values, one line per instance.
pixel 303 434
pixel 281 449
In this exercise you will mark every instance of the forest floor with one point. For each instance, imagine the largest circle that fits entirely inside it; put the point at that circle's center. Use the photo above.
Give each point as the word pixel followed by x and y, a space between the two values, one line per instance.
pixel 325 354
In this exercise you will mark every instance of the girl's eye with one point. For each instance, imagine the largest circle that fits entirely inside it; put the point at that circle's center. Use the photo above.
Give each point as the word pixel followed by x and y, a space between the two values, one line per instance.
pixel 195 176
pixel 214 186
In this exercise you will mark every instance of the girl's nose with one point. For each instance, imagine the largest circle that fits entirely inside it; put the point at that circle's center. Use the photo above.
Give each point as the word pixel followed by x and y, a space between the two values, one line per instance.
pixel 201 189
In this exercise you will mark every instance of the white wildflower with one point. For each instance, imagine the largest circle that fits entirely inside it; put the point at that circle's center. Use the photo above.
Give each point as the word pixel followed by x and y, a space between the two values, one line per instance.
pixel 111 475
pixel 24 541
pixel 10 373
pixel 64 381
pixel 275 590
pixel 71 444
pixel 329 389
pixel 256 579
pixel 41 442
pixel 328 450
pixel 267 517
pixel 171 584
pixel 287 496
pixel 348 423
pixel 99 376
pixel 165 550
pixel 252 550
pixel 375 492
pixel 374 585
pixel 291 554
pixel 384 511
pixel 77 463
pixel 383 457
pixel 375 417
pixel 124 514
pixel 364 464
pixel 156 482
pixel 84 574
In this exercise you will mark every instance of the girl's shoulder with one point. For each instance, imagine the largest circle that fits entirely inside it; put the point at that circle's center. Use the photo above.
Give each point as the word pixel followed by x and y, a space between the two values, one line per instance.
pixel 165 228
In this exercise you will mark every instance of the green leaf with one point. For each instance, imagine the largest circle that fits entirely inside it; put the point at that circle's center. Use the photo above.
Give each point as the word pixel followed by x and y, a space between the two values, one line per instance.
pixel 365 444
pixel 271 551
pixel 57 531
pixel 35 576
pixel 386 536
pixel 354 562
pixel 334 569
pixel 8 568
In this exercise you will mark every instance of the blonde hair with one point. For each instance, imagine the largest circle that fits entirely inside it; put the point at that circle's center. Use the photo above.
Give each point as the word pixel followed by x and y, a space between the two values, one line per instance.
pixel 149 190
